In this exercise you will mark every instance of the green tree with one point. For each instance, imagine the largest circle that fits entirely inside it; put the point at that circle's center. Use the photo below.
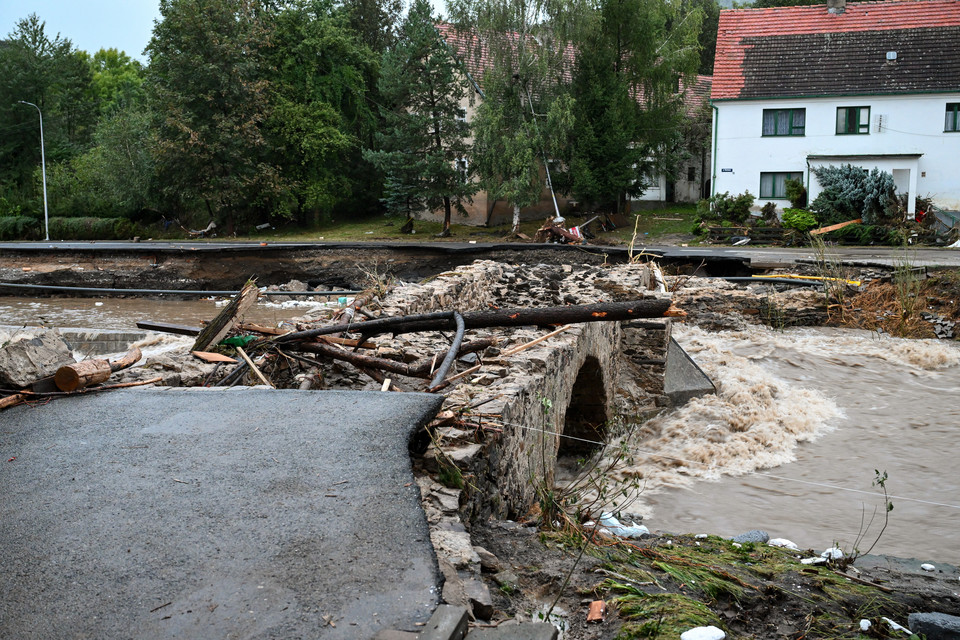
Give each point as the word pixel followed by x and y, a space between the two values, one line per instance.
pixel 851 192
pixel 117 80
pixel 321 112
pixel 422 149
pixel 524 51
pixel 707 38
pixel 630 113
pixel 52 74
pixel 375 21
pixel 209 90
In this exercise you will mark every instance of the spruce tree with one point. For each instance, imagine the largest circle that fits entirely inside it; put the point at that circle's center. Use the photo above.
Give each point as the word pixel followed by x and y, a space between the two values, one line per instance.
pixel 422 147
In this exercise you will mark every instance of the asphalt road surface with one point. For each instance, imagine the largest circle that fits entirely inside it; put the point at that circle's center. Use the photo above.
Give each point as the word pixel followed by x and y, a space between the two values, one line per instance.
pixel 202 513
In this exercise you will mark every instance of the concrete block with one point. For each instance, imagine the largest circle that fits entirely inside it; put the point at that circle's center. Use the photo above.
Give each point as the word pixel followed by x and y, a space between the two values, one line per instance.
pixel 449 622
pixel 683 380
pixel 525 631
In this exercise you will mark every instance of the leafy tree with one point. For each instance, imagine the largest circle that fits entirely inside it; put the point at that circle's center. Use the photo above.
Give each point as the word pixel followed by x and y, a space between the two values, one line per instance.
pixel 707 37
pixel 117 80
pixel 209 90
pixel 630 112
pixel 524 49
pixel 52 74
pixel 375 21
pixel 422 148
pixel 321 111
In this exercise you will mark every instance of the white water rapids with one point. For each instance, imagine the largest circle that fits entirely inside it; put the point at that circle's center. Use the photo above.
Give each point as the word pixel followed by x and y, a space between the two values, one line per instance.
pixel 822 411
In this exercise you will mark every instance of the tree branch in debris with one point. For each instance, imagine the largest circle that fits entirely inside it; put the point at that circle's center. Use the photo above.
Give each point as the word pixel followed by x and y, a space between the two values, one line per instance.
pixel 601 312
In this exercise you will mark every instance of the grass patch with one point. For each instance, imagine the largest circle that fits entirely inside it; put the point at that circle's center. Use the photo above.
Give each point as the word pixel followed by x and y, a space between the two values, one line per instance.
pixel 663 615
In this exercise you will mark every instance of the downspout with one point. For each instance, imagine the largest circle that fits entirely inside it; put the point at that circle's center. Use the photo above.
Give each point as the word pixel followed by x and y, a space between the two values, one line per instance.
pixel 807 206
pixel 716 135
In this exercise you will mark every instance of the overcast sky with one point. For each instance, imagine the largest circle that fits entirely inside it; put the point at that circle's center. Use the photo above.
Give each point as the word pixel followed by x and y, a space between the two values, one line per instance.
pixel 90 24
pixel 94 24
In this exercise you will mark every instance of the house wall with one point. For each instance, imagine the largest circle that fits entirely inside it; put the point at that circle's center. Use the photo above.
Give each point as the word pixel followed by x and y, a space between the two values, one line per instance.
pixel 910 125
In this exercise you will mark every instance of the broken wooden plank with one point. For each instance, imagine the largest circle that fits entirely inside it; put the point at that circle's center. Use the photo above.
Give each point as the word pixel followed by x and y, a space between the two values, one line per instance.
pixel 259 328
pixel 834 227
pixel 256 371
pixel 535 341
pixel 209 356
pixel 166 327
pixel 231 315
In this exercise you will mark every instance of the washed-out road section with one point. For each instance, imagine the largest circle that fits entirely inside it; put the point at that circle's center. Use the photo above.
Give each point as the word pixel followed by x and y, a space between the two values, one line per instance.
pixel 201 513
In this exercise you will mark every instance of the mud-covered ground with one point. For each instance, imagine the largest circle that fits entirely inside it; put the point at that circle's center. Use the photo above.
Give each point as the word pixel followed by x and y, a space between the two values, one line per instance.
pixel 666 584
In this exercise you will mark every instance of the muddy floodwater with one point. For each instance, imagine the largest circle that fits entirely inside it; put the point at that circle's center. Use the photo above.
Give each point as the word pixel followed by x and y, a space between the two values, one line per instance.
pixel 803 421
pixel 122 314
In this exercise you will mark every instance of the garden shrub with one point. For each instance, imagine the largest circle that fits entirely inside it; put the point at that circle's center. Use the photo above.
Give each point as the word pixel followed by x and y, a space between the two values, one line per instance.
pixel 91 228
pixel 19 228
pixel 724 207
pixel 799 219
pixel 851 192
pixel 769 212
pixel 796 193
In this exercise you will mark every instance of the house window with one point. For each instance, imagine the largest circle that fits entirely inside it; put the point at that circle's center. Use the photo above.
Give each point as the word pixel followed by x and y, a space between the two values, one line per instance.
pixel 784 122
pixel 774 184
pixel 853 120
pixel 691 174
pixel 952 119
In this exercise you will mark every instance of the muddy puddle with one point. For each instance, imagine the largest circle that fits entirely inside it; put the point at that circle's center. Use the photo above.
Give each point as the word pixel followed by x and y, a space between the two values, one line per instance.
pixel 803 421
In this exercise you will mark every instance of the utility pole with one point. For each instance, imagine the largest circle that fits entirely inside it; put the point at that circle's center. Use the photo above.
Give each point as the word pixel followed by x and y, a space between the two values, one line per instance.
pixel 43 166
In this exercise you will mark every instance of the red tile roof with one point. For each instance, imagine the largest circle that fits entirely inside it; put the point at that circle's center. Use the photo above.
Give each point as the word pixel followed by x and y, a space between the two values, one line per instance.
pixel 737 74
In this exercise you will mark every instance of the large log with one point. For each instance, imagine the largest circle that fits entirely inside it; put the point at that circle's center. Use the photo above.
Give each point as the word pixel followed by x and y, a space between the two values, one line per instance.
pixel 82 374
pixel 545 316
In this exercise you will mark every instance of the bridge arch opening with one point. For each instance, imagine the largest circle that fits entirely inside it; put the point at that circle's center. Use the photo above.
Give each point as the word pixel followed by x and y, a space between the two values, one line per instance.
pixel 586 418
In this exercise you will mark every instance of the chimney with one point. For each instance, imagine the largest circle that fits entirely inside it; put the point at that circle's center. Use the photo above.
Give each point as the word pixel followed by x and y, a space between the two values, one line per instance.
pixel 836 6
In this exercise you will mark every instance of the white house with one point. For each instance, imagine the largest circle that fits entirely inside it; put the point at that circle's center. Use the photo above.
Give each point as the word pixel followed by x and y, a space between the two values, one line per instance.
pixel 872 84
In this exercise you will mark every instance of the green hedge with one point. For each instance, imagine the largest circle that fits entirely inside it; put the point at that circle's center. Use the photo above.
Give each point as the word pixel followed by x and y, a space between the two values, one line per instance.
pixel 19 228
pixel 91 229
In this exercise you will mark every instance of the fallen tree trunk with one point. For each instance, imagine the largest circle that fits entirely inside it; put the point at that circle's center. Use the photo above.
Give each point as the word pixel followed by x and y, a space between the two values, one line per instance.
pixel 600 312
pixel 89 372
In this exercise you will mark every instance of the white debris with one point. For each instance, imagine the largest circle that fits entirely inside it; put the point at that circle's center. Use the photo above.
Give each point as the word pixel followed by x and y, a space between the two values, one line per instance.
pixel 865 625
pixel 633 530
pixel 703 633
pixel 820 560
pixel 701 536
pixel 782 542
pixel 895 626
pixel 833 553
pixel 928 567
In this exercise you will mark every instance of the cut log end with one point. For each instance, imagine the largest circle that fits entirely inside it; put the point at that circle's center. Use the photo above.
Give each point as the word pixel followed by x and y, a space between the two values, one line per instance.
pixel 82 374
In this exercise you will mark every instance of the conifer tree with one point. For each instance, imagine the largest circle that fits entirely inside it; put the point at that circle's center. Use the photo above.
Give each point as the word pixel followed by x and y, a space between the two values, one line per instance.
pixel 423 150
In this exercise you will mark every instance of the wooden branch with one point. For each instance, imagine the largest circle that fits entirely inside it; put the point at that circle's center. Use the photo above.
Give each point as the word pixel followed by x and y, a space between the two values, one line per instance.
pixel 524 347
pixel 166 327
pixel 10 401
pixel 360 360
pixel 131 358
pixel 446 383
pixel 253 367
pixel 258 328
pixel 601 312
pixel 347 342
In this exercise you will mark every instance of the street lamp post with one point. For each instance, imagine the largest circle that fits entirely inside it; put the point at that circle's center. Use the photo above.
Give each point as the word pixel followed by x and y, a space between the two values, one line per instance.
pixel 43 166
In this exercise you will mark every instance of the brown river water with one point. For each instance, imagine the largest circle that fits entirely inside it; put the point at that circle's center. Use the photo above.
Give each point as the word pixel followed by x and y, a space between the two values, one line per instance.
pixel 802 422
pixel 790 444
pixel 122 314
